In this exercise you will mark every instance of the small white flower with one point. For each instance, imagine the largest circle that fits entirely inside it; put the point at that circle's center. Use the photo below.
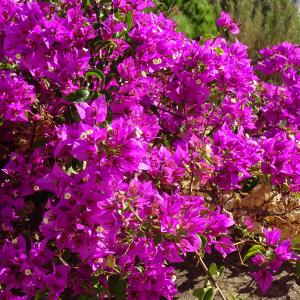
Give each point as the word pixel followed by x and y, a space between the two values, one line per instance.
pixel 36 188
pixel 99 229
pixel 157 61
pixel 67 196
pixel 28 272
pixel 83 136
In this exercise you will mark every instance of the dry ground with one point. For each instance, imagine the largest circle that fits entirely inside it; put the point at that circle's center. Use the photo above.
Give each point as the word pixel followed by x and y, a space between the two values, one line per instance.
pixel 235 281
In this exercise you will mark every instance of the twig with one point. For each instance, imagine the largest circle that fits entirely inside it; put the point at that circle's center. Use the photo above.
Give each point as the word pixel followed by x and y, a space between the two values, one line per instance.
pixel 211 279
pixel 241 259
pixel 249 241
pixel 241 242
pixel 135 214
pixel 171 6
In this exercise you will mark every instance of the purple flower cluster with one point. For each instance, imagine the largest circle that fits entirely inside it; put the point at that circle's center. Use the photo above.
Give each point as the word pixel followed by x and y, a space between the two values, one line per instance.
pixel 269 261
pixel 17 97
pixel 113 123
pixel 226 22
pixel 44 43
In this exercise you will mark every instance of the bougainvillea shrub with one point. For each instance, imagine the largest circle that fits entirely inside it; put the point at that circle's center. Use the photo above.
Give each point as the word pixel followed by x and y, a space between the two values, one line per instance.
pixel 125 146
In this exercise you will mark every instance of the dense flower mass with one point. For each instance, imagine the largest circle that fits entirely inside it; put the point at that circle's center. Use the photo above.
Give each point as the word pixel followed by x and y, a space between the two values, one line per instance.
pixel 120 136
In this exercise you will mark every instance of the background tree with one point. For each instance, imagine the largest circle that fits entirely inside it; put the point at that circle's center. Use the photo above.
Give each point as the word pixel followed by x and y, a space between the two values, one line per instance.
pixel 262 22
pixel 193 17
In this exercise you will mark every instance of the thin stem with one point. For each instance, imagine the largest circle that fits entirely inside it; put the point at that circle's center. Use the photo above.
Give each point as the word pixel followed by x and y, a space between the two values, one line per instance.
pixel 211 279
pixel 249 241
pixel 135 214
pixel 171 6
pixel 240 256
pixel 240 243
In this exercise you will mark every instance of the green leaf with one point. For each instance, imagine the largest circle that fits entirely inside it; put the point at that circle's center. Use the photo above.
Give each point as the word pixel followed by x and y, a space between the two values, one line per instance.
pixel 169 237
pixel 258 247
pixel 207 36
pixel 221 270
pixel 213 269
pixel 203 241
pixel 219 50
pixel 166 143
pixel 129 20
pixel 95 72
pixel 80 95
pixel 118 16
pixel 86 3
pixel 209 294
pixel 199 293
pixel 140 269
pixel 117 287
pixel 204 293
pixel 208 159
pixel 255 249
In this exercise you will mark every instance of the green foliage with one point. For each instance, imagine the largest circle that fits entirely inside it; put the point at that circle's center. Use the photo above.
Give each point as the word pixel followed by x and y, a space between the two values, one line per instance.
pixel 201 16
pixel 213 269
pixel 208 291
pixel 255 249
pixel 193 17
pixel 203 241
pixel 117 287
pixel 81 95
pixel 95 72
pixel 204 293
pixel 262 22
